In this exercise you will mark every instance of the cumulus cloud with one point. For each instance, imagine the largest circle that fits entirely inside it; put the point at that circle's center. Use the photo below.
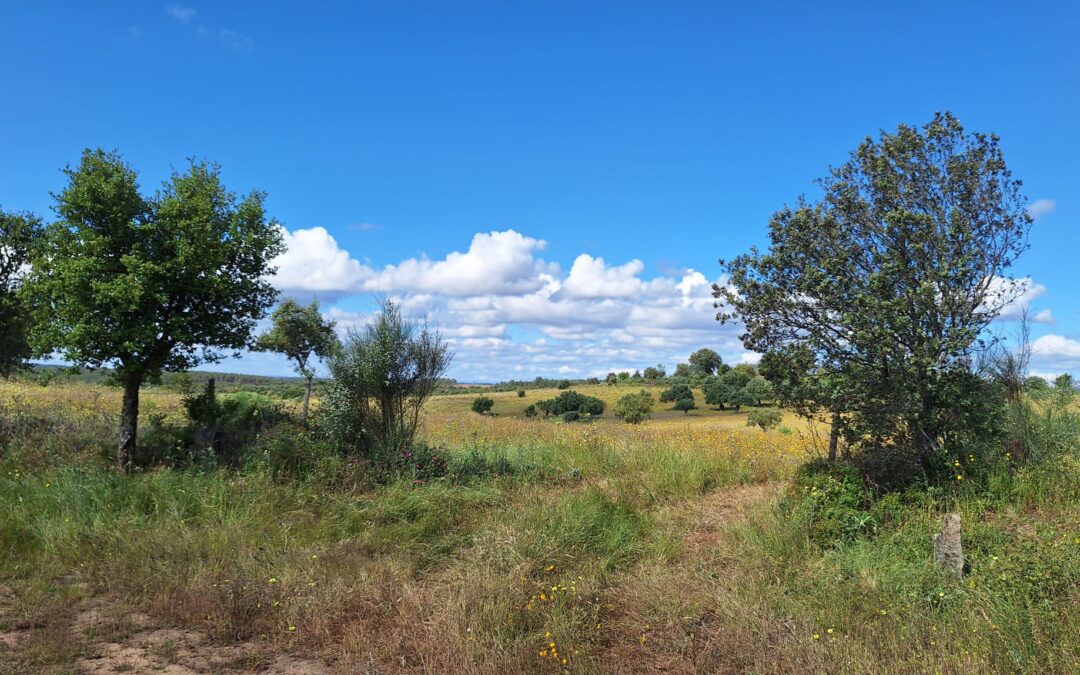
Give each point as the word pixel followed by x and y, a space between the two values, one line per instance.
pixel 498 263
pixel 592 278
pixel 314 263
pixel 1041 207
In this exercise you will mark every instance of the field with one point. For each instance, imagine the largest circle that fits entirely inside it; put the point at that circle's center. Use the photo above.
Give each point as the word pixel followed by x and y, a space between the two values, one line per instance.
pixel 549 547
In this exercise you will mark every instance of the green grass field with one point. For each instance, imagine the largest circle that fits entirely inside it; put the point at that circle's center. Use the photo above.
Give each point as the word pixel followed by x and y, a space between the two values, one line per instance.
pixel 595 548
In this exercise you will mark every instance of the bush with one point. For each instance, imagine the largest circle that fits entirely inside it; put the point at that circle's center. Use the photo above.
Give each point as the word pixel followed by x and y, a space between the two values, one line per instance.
pixel 685 405
pixel 530 411
pixel 482 405
pixel 677 391
pixel 766 419
pixel 830 501
pixel 563 384
pixel 521 393
pixel 571 401
pixel 635 408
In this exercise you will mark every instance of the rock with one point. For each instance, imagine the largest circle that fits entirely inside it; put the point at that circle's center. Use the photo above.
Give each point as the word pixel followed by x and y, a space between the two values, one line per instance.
pixel 948 552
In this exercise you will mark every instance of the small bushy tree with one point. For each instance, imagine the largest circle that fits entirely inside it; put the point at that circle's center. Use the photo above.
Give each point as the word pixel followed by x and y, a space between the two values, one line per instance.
pixel 634 408
pixel 678 389
pixel 767 418
pixel 482 405
pixel 705 362
pixel 571 401
pixel 299 333
pixel 521 393
pixel 685 405
pixel 758 389
pixel 382 376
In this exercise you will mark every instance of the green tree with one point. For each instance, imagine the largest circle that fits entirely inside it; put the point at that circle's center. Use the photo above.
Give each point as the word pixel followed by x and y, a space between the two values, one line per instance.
pixel 764 419
pixel 634 408
pixel 678 389
pixel 888 283
pixel 705 361
pixel 758 389
pixel 299 332
pixel 150 284
pixel 382 376
pixel 482 405
pixel 612 379
pixel 18 235
pixel 655 373
pixel 685 404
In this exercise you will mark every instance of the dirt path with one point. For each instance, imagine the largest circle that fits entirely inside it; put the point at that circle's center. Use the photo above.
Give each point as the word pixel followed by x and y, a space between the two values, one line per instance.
pixel 92 638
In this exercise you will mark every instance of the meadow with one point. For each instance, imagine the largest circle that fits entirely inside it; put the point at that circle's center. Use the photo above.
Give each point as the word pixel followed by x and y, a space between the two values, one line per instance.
pixel 686 544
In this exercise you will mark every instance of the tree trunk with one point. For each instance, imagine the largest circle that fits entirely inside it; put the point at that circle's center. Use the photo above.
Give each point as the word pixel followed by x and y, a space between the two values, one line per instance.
pixel 834 436
pixel 307 399
pixel 129 423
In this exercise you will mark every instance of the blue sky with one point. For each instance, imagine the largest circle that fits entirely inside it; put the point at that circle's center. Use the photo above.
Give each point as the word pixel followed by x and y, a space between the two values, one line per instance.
pixel 649 137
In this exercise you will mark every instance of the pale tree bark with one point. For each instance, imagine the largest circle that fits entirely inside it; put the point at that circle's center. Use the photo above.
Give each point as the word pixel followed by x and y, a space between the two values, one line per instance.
pixel 129 423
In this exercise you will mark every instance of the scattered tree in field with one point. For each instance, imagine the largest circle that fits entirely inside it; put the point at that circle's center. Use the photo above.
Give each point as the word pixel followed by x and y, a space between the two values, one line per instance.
pixel 636 377
pixel 1036 385
pixel 758 389
pixel 728 389
pixel 612 379
pixel 683 371
pixel 1064 382
pixel 685 404
pixel 679 389
pixel 18 235
pixel 521 393
pixel 530 411
pixel 766 418
pixel 299 333
pixel 592 380
pixel 624 377
pixel 563 384
pixel 885 286
pixel 382 376
pixel 571 401
pixel 705 362
pixel 482 405
pixel 655 373
pixel 634 408
pixel 150 284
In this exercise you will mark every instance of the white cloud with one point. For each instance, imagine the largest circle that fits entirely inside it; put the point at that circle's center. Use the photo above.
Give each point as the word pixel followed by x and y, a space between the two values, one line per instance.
pixel 181 13
pixel 1045 316
pixel 592 278
pixel 1056 346
pixel 1020 293
pixel 1041 207
pixel 498 263
pixel 314 263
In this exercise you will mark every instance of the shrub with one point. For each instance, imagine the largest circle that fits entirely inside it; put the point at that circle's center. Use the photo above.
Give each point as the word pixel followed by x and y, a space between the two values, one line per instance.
pixel 685 405
pixel 563 384
pixel 521 393
pixel 678 390
pixel 635 408
pixel 571 416
pixel 571 401
pixel 482 405
pixel 766 419
pixel 830 501
pixel 382 376
pixel 530 411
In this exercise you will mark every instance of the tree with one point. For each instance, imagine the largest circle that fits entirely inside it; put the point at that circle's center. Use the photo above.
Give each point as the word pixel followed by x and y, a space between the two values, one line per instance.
pixel 888 283
pixel 150 284
pixel 655 373
pixel 18 235
pixel 727 389
pixel 482 405
pixel 764 419
pixel 679 389
pixel 383 375
pixel 683 370
pixel 705 361
pixel 299 332
pixel 571 401
pixel 563 384
pixel 634 408
pixel 521 393
pixel 758 389
pixel 685 404
pixel 612 379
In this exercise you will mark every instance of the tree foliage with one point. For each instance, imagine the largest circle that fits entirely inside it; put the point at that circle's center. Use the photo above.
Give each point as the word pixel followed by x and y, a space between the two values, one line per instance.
pixel 634 408
pixel 18 235
pixel 382 376
pixel 875 298
pixel 482 405
pixel 571 401
pixel 705 362
pixel 150 284
pixel 299 332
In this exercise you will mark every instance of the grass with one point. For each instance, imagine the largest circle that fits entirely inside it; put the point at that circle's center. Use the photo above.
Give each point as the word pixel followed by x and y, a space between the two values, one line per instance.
pixel 630 548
